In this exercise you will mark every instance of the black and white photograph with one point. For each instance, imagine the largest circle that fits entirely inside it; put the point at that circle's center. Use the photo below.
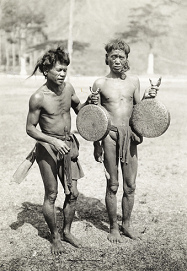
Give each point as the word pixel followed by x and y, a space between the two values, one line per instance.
pixel 93 110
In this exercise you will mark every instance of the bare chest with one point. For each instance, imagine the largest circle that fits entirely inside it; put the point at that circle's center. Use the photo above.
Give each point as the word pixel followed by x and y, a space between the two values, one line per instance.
pixel 55 105
pixel 117 91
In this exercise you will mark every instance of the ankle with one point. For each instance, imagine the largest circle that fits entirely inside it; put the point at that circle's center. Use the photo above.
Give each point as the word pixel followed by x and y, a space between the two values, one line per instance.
pixel 55 235
pixel 126 224
pixel 114 225
pixel 66 231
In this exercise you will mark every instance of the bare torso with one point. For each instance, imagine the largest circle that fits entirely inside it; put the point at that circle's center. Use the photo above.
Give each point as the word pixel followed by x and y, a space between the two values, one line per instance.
pixel 55 111
pixel 118 97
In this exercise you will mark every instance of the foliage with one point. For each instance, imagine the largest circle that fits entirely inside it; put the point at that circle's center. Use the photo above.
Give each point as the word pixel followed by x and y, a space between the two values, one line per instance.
pixel 147 23
pixel 19 14
pixel 54 43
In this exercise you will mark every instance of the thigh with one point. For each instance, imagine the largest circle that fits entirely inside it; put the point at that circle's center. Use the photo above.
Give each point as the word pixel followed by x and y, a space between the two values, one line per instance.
pixel 111 155
pixel 129 171
pixel 74 190
pixel 48 168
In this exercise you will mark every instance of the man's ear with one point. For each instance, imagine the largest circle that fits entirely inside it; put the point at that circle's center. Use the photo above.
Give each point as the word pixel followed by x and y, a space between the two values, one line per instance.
pixel 106 59
pixel 45 72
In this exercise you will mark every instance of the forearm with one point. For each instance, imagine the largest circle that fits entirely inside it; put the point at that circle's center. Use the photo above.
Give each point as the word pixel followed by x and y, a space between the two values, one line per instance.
pixel 38 135
pixel 81 105
pixel 96 143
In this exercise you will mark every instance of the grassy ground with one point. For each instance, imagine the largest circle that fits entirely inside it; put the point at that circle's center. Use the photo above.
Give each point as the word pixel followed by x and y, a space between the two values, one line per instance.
pixel 159 212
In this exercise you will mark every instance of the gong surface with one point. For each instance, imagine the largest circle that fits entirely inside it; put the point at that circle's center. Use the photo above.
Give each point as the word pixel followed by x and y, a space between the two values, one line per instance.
pixel 150 118
pixel 93 122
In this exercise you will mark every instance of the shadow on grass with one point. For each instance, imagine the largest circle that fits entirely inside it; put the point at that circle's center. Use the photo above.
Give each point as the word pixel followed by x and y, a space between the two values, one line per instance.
pixel 88 209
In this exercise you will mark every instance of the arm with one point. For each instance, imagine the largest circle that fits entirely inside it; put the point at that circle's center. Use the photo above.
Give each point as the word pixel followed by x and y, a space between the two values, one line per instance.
pixel 35 106
pixel 76 104
pixel 96 90
pixel 137 139
pixel 136 97
pixel 151 92
pixel 98 151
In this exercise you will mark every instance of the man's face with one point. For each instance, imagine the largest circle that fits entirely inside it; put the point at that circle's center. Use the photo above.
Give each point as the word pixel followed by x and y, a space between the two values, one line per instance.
pixel 116 60
pixel 58 73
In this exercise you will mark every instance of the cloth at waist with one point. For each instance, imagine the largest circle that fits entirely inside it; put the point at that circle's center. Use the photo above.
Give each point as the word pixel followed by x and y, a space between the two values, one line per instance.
pixel 123 139
pixel 71 141
pixel 71 166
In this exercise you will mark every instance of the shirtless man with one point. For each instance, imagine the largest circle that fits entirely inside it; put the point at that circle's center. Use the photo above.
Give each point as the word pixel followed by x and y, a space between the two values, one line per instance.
pixel 50 107
pixel 118 93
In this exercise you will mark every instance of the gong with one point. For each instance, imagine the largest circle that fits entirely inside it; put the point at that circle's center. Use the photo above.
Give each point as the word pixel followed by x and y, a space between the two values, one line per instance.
pixel 150 118
pixel 93 122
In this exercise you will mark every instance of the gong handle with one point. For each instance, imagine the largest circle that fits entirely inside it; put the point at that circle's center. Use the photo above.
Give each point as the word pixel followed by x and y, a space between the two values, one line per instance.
pixel 95 92
pixel 157 84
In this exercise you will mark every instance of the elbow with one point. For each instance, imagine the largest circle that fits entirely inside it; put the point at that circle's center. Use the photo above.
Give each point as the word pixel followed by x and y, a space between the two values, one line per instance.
pixel 77 109
pixel 29 130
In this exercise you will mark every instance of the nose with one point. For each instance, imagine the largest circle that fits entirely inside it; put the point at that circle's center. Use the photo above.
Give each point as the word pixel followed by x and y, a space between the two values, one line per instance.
pixel 62 73
pixel 117 60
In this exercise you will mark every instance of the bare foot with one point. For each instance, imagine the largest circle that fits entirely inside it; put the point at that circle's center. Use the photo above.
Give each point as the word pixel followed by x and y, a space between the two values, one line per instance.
pixel 127 231
pixel 56 247
pixel 114 236
pixel 70 238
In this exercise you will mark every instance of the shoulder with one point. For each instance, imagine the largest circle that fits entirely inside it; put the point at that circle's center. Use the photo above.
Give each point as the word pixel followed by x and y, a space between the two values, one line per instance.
pixel 36 99
pixel 69 87
pixel 99 82
pixel 134 80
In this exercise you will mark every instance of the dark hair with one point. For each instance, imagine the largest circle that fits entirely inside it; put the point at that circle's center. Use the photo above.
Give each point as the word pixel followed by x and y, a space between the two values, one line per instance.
pixel 50 58
pixel 118 44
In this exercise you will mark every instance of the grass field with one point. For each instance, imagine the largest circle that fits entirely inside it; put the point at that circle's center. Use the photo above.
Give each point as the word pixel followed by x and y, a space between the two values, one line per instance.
pixel 159 212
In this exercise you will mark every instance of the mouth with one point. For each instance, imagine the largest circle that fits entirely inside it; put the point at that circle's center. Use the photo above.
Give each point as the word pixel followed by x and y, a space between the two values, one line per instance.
pixel 117 67
pixel 61 80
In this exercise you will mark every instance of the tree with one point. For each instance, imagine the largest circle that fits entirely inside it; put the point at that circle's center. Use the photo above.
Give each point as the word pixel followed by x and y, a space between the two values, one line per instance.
pixel 147 24
pixel 19 20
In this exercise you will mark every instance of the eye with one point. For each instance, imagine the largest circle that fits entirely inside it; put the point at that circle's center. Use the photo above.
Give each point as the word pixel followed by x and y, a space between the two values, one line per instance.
pixel 113 57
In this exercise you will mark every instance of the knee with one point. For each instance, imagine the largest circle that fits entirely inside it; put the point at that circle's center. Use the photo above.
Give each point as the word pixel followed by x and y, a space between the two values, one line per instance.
pixel 51 197
pixel 74 195
pixel 112 182
pixel 113 188
pixel 129 190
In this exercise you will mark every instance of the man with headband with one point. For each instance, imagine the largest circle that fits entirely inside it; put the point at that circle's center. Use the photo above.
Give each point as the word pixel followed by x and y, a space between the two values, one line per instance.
pixel 118 92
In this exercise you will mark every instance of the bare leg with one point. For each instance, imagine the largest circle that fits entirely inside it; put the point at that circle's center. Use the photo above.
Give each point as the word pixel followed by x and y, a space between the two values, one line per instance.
pixel 127 206
pixel 129 177
pixel 69 213
pixel 111 165
pixel 50 217
pixel 111 206
pixel 48 170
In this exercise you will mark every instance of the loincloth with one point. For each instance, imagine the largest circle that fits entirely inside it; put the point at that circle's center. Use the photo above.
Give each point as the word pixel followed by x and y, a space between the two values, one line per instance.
pixel 123 140
pixel 70 163
pixel 125 136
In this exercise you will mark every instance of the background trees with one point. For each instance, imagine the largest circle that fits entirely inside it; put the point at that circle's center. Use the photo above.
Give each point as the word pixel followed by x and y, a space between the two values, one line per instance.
pixel 22 24
pixel 153 24
pixel 155 30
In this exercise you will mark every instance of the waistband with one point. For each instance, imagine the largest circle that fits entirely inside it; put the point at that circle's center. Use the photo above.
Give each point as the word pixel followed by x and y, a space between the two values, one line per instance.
pixel 62 137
